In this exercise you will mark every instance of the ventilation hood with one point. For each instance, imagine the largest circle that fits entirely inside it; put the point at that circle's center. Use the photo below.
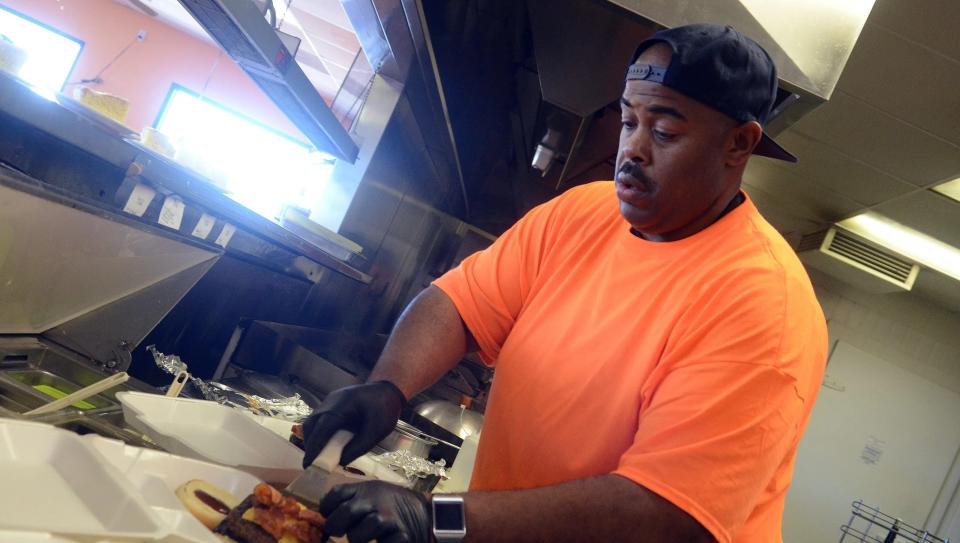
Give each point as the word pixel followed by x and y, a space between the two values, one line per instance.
pixel 242 30
pixel 810 42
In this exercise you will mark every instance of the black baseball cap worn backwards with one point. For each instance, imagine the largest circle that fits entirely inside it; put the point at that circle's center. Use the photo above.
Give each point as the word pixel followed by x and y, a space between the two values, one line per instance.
pixel 719 67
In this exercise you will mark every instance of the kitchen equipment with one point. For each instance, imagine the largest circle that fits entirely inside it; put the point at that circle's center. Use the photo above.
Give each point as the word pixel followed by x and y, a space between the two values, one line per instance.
pixel 452 417
pixel 209 431
pixel 313 484
pixel 243 32
pixel 81 287
pixel 49 385
pixel 406 436
pixel 318 360
pixel 82 394
pixel 275 387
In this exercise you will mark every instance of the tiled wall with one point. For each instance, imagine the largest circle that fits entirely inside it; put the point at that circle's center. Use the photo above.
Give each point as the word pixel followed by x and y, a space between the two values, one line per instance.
pixel 900 328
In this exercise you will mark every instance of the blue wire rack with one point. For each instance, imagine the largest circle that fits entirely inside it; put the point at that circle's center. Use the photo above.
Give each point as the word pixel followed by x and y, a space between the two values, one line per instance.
pixel 871 525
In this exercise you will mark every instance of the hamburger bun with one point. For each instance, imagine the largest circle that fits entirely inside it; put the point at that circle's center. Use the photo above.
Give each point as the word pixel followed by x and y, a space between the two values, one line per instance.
pixel 208 503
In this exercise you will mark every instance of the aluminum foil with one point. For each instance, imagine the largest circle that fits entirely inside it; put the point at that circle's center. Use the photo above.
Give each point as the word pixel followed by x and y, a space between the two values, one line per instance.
pixel 292 408
pixel 169 363
pixel 412 465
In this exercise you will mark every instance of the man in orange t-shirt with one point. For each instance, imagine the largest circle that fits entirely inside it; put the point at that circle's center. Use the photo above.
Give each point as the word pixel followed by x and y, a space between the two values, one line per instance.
pixel 658 346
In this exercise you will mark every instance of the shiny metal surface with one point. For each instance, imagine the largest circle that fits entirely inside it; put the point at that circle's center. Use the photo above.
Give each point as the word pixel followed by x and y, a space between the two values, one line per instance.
pixel 33 378
pixel 408 437
pixel 585 74
pixel 58 262
pixel 110 333
pixel 26 361
pixel 241 30
pixel 370 127
pixel 452 417
pixel 809 41
pixel 396 41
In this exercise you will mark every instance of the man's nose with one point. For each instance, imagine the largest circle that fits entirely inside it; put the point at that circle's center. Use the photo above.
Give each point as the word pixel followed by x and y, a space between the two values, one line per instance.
pixel 635 145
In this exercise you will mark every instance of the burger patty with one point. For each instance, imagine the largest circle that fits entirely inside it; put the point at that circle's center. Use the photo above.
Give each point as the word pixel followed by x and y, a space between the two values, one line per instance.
pixel 241 530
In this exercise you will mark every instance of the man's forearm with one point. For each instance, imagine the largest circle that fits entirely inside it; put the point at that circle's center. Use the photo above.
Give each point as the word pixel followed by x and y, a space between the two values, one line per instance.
pixel 604 508
pixel 428 339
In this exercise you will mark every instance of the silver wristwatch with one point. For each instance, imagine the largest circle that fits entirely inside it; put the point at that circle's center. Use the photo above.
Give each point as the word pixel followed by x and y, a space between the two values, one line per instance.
pixel 449 520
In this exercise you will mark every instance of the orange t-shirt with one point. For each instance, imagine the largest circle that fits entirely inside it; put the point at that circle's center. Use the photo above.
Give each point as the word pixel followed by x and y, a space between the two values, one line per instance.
pixel 689 367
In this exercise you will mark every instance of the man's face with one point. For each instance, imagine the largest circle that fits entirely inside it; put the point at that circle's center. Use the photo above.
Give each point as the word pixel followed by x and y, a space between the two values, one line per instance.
pixel 671 175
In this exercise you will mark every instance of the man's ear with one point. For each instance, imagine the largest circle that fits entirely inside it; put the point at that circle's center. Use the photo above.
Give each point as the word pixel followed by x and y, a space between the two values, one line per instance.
pixel 741 140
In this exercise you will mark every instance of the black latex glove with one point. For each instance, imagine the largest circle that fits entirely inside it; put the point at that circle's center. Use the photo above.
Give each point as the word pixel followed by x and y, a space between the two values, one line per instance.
pixel 375 510
pixel 369 411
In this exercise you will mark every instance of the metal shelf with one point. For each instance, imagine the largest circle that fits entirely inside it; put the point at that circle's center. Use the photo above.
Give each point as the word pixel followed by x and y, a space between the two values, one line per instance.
pixel 869 524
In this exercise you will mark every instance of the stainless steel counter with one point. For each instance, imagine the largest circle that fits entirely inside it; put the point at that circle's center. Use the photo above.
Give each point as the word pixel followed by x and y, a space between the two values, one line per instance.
pixel 28 366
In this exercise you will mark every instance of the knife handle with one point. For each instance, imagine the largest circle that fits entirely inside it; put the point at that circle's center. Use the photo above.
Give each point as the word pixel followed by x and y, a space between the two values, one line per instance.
pixel 329 457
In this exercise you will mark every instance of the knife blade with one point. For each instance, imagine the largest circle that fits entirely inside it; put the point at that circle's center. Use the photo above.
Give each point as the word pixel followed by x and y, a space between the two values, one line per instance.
pixel 313 484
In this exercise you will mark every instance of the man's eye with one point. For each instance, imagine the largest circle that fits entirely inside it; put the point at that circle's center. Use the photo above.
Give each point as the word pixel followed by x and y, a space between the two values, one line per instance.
pixel 663 136
pixel 627 123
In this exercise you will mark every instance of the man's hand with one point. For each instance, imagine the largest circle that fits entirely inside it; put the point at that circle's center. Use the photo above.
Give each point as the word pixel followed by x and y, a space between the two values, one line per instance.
pixel 369 411
pixel 375 510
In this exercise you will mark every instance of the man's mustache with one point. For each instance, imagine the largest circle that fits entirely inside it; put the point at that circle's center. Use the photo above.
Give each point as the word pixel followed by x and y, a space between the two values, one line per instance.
pixel 634 170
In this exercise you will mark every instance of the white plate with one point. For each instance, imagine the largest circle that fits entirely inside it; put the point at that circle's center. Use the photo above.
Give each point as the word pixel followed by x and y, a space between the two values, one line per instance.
pixel 209 431
pixel 54 483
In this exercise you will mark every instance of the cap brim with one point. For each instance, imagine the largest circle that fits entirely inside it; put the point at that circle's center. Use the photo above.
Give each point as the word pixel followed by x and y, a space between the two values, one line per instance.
pixel 771 149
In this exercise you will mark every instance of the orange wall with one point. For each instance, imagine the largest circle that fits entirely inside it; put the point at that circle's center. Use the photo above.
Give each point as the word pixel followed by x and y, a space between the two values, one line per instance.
pixel 144 74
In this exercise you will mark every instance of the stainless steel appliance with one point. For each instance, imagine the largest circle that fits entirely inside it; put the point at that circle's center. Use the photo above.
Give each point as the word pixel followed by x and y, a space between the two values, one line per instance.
pixel 80 286
pixel 242 30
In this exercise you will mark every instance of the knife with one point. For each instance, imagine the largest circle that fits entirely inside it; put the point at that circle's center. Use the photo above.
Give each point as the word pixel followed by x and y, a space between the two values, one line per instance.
pixel 312 485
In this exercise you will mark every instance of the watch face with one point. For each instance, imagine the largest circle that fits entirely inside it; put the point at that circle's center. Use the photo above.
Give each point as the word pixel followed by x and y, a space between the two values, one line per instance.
pixel 448 516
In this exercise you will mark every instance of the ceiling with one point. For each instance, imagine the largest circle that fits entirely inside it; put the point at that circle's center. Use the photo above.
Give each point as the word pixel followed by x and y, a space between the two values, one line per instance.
pixel 328 43
pixel 890 131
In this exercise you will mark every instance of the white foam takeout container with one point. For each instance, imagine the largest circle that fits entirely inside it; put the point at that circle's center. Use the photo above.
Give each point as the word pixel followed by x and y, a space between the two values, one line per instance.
pixel 216 433
pixel 157 475
pixel 143 483
pixel 366 463
pixel 55 484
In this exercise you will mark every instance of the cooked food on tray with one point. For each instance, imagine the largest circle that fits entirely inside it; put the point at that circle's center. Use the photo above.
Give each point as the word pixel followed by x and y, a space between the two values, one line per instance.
pixel 266 516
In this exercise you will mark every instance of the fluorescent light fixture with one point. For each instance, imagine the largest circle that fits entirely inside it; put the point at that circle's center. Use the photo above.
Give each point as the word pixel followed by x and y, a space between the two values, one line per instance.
pixel 950 189
pixel 917 246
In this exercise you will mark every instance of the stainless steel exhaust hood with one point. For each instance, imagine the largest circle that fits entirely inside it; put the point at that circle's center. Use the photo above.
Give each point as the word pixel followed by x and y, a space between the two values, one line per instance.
pixel 241 29
pixel 810 43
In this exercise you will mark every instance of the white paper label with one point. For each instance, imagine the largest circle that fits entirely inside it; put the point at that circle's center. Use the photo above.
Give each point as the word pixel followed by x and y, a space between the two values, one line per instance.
pixel 139 200
pixel 225 235
pixel 204 226
pixel 171 214
pixel 873 450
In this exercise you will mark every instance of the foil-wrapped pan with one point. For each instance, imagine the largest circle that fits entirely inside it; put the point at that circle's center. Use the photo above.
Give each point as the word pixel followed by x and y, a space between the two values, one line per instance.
pixel 292 408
